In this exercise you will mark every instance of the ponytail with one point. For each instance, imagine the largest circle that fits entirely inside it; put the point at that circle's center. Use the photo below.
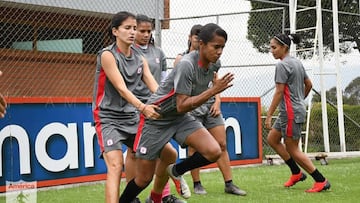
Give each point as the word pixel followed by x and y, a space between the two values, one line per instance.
pixel 295 38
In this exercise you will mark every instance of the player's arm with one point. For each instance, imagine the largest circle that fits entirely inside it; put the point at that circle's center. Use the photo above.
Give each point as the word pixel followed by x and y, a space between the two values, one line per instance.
pixel 163 67
pixel 279 92
pixel 116 79
pixel 186 103
pixel 215 109
pixel 308 86
pixel 177 59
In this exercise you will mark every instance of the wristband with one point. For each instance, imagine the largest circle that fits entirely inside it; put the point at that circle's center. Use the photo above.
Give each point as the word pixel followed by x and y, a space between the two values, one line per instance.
pixel 143 109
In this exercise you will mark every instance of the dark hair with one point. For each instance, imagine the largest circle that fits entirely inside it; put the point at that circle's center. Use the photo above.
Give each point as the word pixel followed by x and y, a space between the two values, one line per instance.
pixel 194 31
pixel 152 40
pixel 208 32
pixel 117 20
pixel 140 18
pixel 284 39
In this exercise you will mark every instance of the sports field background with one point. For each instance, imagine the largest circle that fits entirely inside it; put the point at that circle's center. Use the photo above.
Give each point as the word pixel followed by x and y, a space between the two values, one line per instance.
pixel 262 182
pixel 61 48
pixel 23 60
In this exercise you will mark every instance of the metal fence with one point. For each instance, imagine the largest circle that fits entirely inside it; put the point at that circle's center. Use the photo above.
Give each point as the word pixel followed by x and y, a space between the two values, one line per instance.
pixel 48 51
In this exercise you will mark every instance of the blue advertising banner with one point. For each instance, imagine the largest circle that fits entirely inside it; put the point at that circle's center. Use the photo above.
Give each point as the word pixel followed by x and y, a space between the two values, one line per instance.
pixel 56 143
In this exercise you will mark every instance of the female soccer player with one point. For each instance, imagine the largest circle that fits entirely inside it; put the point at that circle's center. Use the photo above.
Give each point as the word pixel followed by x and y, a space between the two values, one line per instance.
pixel 185 89
pixel 292 87
pixel 120 69
pixel 209 114
pixel 158 66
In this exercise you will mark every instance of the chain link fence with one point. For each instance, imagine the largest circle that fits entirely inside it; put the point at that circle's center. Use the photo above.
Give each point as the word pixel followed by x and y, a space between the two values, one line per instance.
pixel 50 51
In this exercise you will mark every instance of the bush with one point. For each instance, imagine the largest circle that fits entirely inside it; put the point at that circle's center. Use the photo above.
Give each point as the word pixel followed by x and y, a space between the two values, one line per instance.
pixel 351 129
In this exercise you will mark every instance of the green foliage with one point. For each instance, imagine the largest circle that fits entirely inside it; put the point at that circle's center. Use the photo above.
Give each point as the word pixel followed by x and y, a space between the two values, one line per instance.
pixel 263 26
pixel 264 110
pixel 351 95
pixel 352 92
pixel 351 129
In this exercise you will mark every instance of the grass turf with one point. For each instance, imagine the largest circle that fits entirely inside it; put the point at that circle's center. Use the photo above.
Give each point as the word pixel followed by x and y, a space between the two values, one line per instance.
pixel 263 184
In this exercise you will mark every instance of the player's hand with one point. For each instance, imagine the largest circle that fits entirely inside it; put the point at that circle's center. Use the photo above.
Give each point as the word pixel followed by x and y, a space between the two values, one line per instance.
pixel 150 111
pixel 215 110
pixel 268 122
pixel 221 84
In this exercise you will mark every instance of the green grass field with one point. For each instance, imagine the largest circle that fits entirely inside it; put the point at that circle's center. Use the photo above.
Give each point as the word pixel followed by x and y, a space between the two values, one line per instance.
pixel 263 184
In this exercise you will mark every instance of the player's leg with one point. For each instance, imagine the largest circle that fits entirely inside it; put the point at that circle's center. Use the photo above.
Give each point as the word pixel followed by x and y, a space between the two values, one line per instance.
pixel 223 162
pixel 149 144
pixel 195 175
pixel 114 164
pixel 292 146
pixel 274 140
pixel 112 138
pixel 130 165
pixel 168 156
pixel 207 149
pixel 145 170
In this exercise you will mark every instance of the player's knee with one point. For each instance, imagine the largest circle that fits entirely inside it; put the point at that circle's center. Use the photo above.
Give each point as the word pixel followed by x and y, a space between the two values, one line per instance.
pixel 115 168
pixel 172 154
pixel 272 142
pixel 293 151
pixel 223 146
pixel 214 153
pixel 168 155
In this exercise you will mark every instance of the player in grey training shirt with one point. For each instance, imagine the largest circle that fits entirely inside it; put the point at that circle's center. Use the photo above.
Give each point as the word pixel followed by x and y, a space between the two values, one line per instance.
pixel 292 86
pixel 154 55
pixel 185 89
pixel 115 108
pixel 209 114
pixel 158 66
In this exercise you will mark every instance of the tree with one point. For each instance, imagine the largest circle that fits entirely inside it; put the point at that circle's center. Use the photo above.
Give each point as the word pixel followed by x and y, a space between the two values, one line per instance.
pixel 352 92
pixel 264 25
pixel 351 95
pixel 330 96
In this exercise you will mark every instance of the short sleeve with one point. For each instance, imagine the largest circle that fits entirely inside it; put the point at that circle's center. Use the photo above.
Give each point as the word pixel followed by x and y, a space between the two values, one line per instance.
pixel 183 77
pixel 163 61
pixel 281 74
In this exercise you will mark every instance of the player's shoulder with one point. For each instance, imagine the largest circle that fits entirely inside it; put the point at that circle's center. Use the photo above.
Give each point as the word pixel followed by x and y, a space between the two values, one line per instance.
pixel 186 61
pixel 110 48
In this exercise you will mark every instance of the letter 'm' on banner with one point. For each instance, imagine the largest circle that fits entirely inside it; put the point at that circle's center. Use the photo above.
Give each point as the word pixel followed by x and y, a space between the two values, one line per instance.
pixel 70 159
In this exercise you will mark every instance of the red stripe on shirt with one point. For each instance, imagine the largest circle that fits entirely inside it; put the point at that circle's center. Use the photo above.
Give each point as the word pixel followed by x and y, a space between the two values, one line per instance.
pixel 171 93
pixel 139 131
pixel 99 96
pixel 289 111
